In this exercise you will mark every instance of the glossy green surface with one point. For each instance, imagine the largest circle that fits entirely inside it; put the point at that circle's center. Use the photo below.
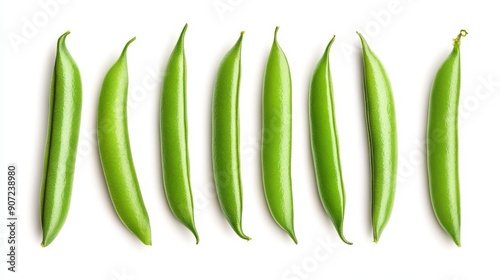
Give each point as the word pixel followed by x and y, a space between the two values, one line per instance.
pixel 226 138
pixel 324 143
pixel 174 138
pixel 65 106
pixel 442 143
pixel 382 137
pixel 115 152
pixel 277 138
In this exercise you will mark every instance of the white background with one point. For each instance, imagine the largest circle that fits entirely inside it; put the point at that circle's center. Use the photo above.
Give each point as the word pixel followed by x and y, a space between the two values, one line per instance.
pixel 412 38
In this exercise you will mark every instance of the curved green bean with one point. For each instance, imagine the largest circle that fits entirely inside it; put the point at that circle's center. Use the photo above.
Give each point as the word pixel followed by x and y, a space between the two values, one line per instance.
pixel 174 138
pixel 277 138
pixel 382 133
pixel 442 143
pixel 325 145
pixel 65 106
pixel 115 153
pixel 226 137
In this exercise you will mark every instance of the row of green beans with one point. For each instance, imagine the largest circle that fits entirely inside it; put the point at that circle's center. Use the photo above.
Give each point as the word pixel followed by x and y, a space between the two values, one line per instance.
pixel 123 185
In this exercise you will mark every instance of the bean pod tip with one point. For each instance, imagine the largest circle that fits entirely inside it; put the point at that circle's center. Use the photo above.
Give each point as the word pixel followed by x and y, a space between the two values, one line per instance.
pixel 291 233
pixel 130 41
pixel 184 30
pixel 456 240
pixel 126 46
pixel 196 236
pixel 361 37
pixel 243 236
pixel 462 33
pixel 363 41
pixel 330 44
pixel 62 38
pixel 345 240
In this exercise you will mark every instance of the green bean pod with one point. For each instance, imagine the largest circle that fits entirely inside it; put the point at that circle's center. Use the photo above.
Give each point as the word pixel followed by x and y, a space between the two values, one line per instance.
pixel 226 138
pixel 442 143
pixel 65 106
pixel 325 144
pixel 115 153
pixel 382 137
pixel 277 138
pixel 174 138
